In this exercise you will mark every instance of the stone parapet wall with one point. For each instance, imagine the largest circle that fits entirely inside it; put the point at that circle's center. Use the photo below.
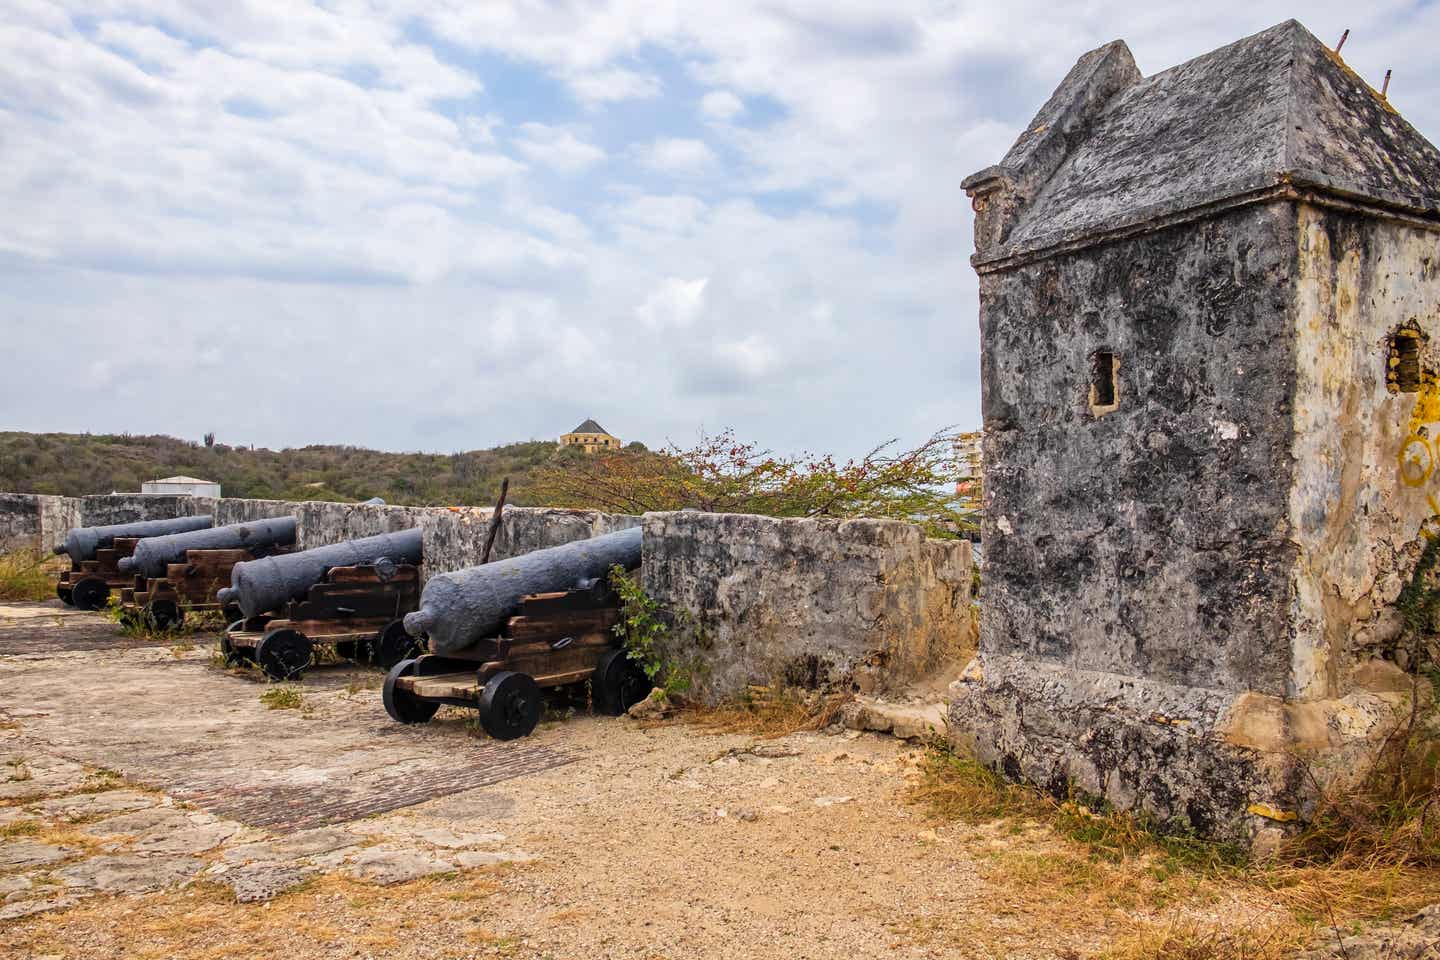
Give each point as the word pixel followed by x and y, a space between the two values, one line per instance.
pixel 20 521
pixel 871 605
pixel 454 536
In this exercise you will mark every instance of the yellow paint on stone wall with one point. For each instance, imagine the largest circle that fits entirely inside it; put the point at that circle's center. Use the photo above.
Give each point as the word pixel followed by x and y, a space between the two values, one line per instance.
pixel 1271 813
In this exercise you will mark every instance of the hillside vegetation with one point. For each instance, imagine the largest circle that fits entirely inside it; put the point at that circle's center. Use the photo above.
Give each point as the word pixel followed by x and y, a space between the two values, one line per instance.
pixel 79 464
pixel 720 474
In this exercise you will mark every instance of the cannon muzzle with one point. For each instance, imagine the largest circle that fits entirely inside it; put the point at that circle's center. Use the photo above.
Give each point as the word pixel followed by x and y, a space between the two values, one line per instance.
pixel 459 609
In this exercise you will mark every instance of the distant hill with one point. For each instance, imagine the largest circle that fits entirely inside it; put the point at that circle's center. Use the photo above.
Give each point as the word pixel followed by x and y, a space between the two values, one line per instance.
pixel 79 464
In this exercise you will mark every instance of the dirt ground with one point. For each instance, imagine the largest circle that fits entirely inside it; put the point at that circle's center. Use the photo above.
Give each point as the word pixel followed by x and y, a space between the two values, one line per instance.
pixel 152 805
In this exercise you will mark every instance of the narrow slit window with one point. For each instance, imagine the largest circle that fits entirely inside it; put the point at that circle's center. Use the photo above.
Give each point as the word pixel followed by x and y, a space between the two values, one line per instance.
pixel 1102 379
pixel 1404 366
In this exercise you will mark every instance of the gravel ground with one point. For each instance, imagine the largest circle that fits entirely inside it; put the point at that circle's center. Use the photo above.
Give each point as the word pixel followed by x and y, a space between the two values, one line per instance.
pixel 649 841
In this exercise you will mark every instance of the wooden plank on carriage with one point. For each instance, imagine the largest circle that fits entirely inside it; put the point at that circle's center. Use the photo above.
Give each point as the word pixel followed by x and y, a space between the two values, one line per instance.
pixel 560 679
pixel 546 647
pixel 562 625
pixel 329 631
pixel 217 558
pixel 404 573
pixel 555 604
pixel 449 686
pixel 567 660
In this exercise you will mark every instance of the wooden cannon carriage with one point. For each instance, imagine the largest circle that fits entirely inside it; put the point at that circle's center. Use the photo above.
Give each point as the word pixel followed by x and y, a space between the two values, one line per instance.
pixel 357 610
pixel 162 602
pixel 556 640
pixel 87 584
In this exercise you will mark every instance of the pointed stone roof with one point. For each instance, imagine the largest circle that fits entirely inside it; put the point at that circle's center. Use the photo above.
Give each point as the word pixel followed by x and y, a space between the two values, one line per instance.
pixel 590 426
pixel 1112 149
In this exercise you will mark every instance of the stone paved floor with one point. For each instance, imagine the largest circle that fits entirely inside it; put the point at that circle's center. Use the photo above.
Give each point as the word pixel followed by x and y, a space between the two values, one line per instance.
pixel 153 806
pixel 128 766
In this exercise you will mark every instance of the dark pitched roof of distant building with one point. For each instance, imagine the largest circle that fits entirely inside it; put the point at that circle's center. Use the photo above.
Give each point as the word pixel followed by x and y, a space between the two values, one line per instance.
pixel 1111 148
pixel 590 426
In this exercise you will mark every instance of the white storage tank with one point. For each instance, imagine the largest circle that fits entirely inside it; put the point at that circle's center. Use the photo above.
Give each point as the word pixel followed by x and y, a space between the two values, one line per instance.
pixel 182 487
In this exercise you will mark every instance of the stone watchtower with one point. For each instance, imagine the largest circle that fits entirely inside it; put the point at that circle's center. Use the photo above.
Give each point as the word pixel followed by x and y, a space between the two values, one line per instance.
pixel 1209 304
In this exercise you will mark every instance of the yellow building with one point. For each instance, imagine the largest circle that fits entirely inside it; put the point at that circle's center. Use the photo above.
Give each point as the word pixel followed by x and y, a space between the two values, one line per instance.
pixel 591 436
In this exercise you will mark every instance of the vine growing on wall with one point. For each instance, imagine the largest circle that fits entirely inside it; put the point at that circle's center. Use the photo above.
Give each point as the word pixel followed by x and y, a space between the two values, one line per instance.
pixel 646 631
pixel 1417 604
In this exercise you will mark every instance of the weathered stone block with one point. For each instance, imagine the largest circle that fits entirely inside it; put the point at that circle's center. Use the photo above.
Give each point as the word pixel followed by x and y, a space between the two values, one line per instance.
pixel 808 602
pixel 1209 452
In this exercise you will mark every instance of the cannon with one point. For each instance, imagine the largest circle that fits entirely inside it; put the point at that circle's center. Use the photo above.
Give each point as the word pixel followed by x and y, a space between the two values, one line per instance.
pixel 269 583
pixel 82 543
pixel 504 631
pixel 259 537
pixel 459 609
pixel 95 553
pixel 349 595
pixel 192 584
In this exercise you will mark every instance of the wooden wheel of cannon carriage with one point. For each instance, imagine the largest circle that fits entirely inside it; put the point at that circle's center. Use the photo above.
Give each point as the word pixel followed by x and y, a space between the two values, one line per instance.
pixel 284 654
pixel 163 614
pixel 392 644
pixel 89 593
pixel 231 656
pixel 510 705
pixel 400 703
pixel 619 683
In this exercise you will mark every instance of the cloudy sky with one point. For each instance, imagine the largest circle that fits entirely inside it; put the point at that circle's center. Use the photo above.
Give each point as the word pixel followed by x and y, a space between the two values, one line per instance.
pixel 450 224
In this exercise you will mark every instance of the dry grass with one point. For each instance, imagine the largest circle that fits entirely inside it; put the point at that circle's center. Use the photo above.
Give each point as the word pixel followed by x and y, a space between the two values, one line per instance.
pixel 1391 815
pixel 768 712
pixel 1159 896
pixel 28 574
pixel 1188 940
pixel 329 916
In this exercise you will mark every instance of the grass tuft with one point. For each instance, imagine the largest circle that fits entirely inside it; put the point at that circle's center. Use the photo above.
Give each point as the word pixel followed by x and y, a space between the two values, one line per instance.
pixel 27 574
pixel 769 712
pixel 283 696
pixel 1365 859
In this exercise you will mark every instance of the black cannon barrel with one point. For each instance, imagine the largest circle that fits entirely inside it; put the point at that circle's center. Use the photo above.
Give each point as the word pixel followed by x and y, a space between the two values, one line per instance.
pixel 154 553
pixel 457 610
pixel 260 586
pixel 82 542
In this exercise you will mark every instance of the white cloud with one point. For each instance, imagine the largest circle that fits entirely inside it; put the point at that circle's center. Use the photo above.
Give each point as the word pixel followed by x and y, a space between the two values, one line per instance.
pixel 481 129
pixel 752 357
pixel 721 105
pixel 676 303
pixel 679 156
pixel 147 43
pixel 557 148
pixel 602 86
pixel 234 176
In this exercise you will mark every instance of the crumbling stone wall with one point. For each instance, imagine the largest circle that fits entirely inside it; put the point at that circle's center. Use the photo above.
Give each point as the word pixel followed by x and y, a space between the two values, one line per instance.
pixel 1365 447
pixel 871 604
pixel 20 522
pixel 455 536
pixel 1121 539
